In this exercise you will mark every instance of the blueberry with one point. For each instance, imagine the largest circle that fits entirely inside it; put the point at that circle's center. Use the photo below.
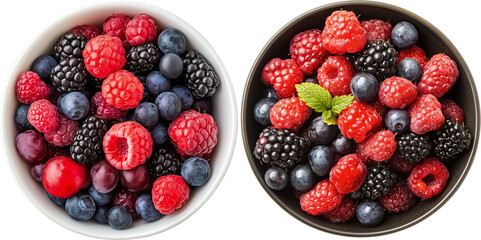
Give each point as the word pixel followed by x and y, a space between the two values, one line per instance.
pixel 156 83
pixel 397 120
pixel 43 66
pixel 74 105
pixel 171 41
pixel 59 101
pixel 262 111
pixel 202 105
pixel 276 178
pixel 311 80
pixel 171 65
pixel 99 198
pixel 102 213
pixel 303 178
pixel 364 86
pixel 410 69
pixel 146 209
pixel 147 114
pixel 321 159
pixel 169 105
pixel 370 213
pixel 185 96
pixel 58 201
pixel 343 145
pixel 404 35
pixel 159 133
pixel 21 119
pixel 270 93
pixel 80 207
pixel 119 218
pixel 195 171
pixel 145 95
pixel 321 133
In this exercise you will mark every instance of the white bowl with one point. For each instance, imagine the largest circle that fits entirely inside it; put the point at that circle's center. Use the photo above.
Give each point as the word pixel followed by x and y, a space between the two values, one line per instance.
pixel 224 113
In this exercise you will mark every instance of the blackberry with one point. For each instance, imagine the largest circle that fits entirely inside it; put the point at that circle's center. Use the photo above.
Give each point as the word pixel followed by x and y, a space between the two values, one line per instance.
pixel 452 139
pixel 143 58
pixel 201 78
pixel 164 161
pixel 378 58
pixel 87 147
pixel 280 148
pixel 414 148
pixel 69 45
pixel 379 181
pixel 70 75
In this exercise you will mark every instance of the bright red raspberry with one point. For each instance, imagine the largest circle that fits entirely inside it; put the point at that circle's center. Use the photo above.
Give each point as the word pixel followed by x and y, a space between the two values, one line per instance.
pixel 322 198
pixel 115 26
pixel 428 178
pixel 30 88
pixel 100 108
pixel 283 75
pixel 64 134
pixel 89 31
pixel 451 110
pixel 141 29
pixel 307 50
pixel 193 133
pixel 398 164
pixel 358 121
pixel 343 33
pixel 126 199
pixel 289 113
pixel 440 74
pixel 335 75
pixel 43 116
pixel 169 193
pixel 399 198
pixel 413 52
pixel 348 174
pixel 104 55
pixel 379 147
pixel 377 29
pixel 122 90
pixel 425 114
pixel 397 92
pixel 127 145
pixel 343 213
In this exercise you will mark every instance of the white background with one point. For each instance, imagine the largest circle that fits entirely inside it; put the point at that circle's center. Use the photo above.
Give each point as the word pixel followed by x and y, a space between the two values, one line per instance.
pixel 239 208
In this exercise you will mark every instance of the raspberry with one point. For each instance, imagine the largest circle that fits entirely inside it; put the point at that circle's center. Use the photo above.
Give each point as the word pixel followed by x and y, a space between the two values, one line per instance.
pixel 64 134
pixel 440 74
pixel 335 75
pixel 141 29
pixel 284 75
pixel 377 29
pixel 425 114
pixel 100 108
pixel 127 145
pixel 322 198
pixel 43 116
pixel 103 55
pixel 428 178
pixel 379 147
pixel 343 212
pixel 398 164
pixel 289 113
pixel 399 198
pixel 115 26
pixel 307 50
pixel 193 133
pixel 30 88
pixel 348 174
pixel 169 193
pixel 343 33
pixel 451 110
pixel 126 199
pixel 397 92
pixel 381 109
pixel 122 90
pixel 89 31
pixel 413 52
pixel 358 121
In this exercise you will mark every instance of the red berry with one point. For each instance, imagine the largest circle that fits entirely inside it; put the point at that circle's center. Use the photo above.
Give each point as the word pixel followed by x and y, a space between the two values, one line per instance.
pixel 104 176
pixel 307 50
pixel 358 121
pixel 289 113
pixel 283 75
pixel 55 151
pixel 425 114
pixel 122 90
pixel 141 29
pixel 135 179
pixel 335 75
pixel 43 116
pixel 428 178
pixel 36 171
pixel 451 110
pixel 399 198
pixel 169 193
pixel 322 198
pixel 127 145
pixel 343 213
pixel 413 52
pixel 64 134
pixel 397 92
pixel 126 199
pixel 63 178
pixel 115 26
pixel 440 74
pixel 348 174
pixel 104 55
pixel 89 31
pixel 379 147
pixel 30 88
pixel 377 29
pixel 100 108
pixel 398 164
pixel 343 33
pixel 30 146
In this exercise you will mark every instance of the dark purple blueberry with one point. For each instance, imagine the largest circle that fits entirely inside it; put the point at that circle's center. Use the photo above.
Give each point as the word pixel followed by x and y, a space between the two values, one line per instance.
pixel 30 146
pixel 270 93
pixel 36 171
pixel 311 80
pixel 74 105
pixel 99 198
pixel 56 200
pixel 171 65
pixel 320 132
pixel 119 218
pixel 202 105
pixel 102 213
pixel 126 199
pixel 364 86
pixel 343 145
pixel 195 171
pixel 169 105
pixel 370 213
pixel 185 96
pixel 146 209
pixel 303 178
pixel 321 160
pixel 157 83
pixel 80 207
pixel 43 66
pixel 410 69
pixel 276 178
pixel 262 111
pixel 21 119
pixel 159 133
pixel 397 120
pixel 404 35
pixel 147 114
pixel 171 41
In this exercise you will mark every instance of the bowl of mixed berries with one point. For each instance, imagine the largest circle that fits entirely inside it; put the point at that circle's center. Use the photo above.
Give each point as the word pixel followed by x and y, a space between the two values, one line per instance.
pixel 360 118
pixel 111 121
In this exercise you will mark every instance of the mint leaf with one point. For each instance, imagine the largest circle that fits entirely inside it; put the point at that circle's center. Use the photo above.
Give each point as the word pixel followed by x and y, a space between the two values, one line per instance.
pixel 314 96
pixel 329 117
pixel 327 114
pixel 340 103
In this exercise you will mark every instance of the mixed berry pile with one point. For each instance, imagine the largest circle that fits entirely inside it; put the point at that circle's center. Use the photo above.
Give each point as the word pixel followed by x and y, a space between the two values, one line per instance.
pixel 116 120
pixel 356 120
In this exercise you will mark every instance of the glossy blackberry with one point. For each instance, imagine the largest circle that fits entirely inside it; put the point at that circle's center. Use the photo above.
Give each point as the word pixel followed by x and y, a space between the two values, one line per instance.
pixel 378 182
pixel 69 45
pixel 201 78
pixel 452 139
pixel 70 75
pixel 87 147
pixel 280 148
pixel 143 58
pixel 378 58
pixel 414 148
pixel 163 162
